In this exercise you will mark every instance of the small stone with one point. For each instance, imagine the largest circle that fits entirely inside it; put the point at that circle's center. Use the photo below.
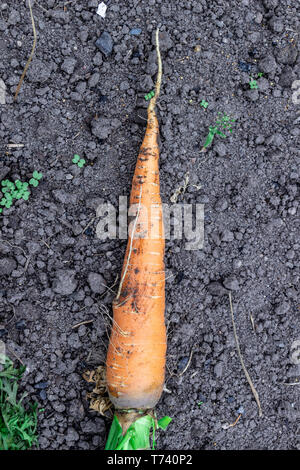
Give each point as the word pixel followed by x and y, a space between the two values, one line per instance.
pixel 63 197
pixel 146 83
pixel 20 325
pixel 74 341
pixel 286 78
pixel 43 395
pixel 3 25
pixel 267 64
pixel 135 31
pixel 253 95
pixel 68 65
pixel 254 37
pixel 64 283
pixel 182 363
pixel 14 17
pixel 221 205
pixel 227 236
pixel 97 60
pixel 216 288
pixel 7 265
pixel 89 427
pixel 282 308
pixel 290 254
pixel 41 385
pixel 220 148
pixel 263 84
pixel 287 55
pixel 276 24
pixel 39 71
pixel 3 332
pixel 97 283
pixel 94 80
pixel 231 283
pixel 105 43
pixel 124 86
pixel 258 18
pixel 58 406
pixel 101 127
pixel 270 4
pixel 218 369
pixel 72 435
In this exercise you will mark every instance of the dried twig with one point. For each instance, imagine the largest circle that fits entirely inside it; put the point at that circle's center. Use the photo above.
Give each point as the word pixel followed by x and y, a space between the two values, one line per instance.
pixel 85 322
pixel 15 146
pixel 31 54
pixel 290 383
pixel 188 364
pixel 241 359
pixel 181 189
pixel 231 425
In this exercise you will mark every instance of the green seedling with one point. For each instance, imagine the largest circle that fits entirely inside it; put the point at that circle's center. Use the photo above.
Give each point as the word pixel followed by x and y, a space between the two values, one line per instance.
pixel 204 104
pixel 81 163
pixel 78 161
pixel 200 403
pixel 76 158
pixel 36 175
pixel 25 195
pixel 18 423
pixel 18 189
pixel 33 182
pixel 150 95
pixel 253 84
pixel 260 74
pixel 222 125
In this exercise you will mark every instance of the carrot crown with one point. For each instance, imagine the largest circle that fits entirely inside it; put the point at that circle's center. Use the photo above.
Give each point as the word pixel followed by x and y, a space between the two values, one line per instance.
pixel 137 437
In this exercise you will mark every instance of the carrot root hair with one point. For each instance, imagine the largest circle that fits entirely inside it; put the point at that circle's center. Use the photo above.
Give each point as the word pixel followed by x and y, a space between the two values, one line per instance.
pixel 153 100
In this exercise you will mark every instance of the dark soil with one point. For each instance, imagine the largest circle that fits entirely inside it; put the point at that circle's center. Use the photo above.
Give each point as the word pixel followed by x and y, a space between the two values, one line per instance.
pixel 76 99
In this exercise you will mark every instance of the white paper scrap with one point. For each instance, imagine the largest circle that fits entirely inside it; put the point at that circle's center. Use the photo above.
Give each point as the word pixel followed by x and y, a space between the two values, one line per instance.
pixel 102 9
pixel 2 95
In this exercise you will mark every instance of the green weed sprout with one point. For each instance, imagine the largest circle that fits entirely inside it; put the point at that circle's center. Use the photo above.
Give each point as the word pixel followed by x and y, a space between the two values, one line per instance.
pixel 253 84
pixel 33 182
pixel 78 161
pixel 81 163
pixel 222 125
pixel 204 104
pixel 17 190
pixel 150 95
pixel 137 436
pixel 17 424
pixel 36 175
pixel 76 158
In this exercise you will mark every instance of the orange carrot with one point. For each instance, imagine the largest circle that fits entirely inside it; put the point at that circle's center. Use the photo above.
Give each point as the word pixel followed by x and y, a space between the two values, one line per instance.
pixel 135 366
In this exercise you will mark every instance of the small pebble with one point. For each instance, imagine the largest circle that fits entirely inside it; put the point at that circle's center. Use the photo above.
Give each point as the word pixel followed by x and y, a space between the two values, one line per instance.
pixel 182 363
pixel 105 43
pixel 20 325
pixel 135 31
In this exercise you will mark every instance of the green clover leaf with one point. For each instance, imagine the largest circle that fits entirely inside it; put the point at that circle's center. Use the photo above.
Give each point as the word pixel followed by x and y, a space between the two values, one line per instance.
pixel 33 182
pixel 76 158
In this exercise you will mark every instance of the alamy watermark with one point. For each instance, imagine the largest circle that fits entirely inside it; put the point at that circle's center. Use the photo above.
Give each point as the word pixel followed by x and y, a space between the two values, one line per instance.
pixel 296 94
pixel 2 353
pixel 295 352
pixel 179 221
